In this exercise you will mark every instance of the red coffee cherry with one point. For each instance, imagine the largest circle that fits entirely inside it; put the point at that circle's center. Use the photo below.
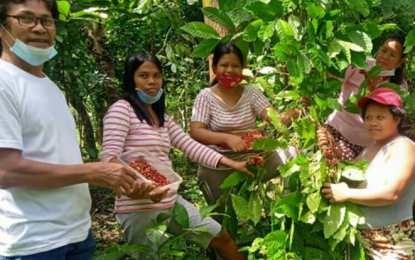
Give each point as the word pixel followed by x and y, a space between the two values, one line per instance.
pixel 256 160
pixel 247 137
pixel 145 169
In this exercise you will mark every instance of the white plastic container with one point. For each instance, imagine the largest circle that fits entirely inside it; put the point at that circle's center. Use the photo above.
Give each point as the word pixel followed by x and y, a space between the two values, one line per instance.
pixel 143 154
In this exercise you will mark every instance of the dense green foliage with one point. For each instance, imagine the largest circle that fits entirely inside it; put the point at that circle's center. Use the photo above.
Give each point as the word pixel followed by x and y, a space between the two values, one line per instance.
pixel 289 46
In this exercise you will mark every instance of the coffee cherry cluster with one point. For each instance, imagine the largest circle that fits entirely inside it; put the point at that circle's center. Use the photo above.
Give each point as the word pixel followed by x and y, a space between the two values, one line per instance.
pixel 256 160
pixel 248 138
pixel 145 169
pixel 332 153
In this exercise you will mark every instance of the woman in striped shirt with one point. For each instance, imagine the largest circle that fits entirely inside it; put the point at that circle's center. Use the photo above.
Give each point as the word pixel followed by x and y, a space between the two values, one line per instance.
pixel 228 106
pixel 139 121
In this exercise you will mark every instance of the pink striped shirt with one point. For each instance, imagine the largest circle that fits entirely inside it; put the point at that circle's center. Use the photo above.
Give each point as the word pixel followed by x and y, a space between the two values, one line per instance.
pixel 220 117
pixel 123 131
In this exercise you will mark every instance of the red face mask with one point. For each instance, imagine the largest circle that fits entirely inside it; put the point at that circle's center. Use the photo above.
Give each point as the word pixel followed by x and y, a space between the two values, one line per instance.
pixel 229 81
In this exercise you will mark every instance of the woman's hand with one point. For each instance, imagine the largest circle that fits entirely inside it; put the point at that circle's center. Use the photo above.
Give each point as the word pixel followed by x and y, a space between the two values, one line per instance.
pixel 372 83
pixel 325 138
pixel 141 189
pixel 158 194
pixel 305 102
pixel 241 167
pixel 236 143
pixel 336 192
pixel 238 166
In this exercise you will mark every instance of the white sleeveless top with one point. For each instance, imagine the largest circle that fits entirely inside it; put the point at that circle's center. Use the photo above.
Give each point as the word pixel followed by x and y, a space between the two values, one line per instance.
pixel 376 176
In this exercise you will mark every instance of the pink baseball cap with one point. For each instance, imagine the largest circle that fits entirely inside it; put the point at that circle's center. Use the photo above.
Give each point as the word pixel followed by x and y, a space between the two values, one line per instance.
pixel 385 96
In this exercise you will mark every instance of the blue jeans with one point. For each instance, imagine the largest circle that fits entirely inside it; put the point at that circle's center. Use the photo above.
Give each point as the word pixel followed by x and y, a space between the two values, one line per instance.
pixel 77 251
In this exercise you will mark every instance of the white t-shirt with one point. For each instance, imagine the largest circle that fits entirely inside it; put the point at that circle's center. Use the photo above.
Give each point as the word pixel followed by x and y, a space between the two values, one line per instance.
pixel 35 119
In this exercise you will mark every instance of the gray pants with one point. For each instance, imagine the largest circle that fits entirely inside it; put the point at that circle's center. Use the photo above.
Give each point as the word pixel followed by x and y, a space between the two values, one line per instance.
pixel 134 225
pixel 210 179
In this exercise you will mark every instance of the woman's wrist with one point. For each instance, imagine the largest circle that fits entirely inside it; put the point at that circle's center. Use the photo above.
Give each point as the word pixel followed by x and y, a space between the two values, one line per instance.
pixel 225 161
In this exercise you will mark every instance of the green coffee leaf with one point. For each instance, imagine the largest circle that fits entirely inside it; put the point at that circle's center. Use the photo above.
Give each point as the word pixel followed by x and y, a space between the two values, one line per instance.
pixel 334 219
pixel 359 6
pixel 180 215
pixel 241 207
pixel 410 39
pixel 233 180
pixel 308 218
pixel 218 17
pixel 64 8
pixel 276 240
pixel 199 29
pixel 155 233
pixel 251 31
pixel 315 11
pixel 261 10
pixel 266 32
pixel 255 207
pixel 313 201
pixel 205 48
pixel 362 39
pixel 284 30
pixel 206 210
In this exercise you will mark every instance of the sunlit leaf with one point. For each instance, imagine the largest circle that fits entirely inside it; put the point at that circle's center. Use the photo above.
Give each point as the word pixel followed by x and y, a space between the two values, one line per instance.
pixel 359 6
pixel 205 48
pixel 199 29
pixel 334 219
pixel 255 207
pixel 266 31
pixel 284 30
pixel 218 17
pixel 233 179
pixel 313 201
pixel 180 215
pixel 410 39
pixel 251 31
pixel 361 39
pixel 315 11
pixel 261 10
pixel 374 72
pixel 241 207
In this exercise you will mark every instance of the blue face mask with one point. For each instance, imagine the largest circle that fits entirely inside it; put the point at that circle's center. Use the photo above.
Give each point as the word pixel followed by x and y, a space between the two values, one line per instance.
pixel 149 99
pixel 31 55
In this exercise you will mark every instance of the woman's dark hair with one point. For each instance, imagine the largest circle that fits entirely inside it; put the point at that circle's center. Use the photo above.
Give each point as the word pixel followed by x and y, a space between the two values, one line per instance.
pixel 4 7
pixel 132 63
pixel 222 49
pixel 398 77
pixel 395 111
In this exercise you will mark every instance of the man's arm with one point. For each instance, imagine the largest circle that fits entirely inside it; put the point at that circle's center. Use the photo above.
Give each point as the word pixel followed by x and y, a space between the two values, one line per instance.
pixel 15 171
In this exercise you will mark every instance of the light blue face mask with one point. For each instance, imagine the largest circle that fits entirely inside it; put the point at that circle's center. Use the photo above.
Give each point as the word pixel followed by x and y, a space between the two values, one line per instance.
pixel 149 99
pixel 31 55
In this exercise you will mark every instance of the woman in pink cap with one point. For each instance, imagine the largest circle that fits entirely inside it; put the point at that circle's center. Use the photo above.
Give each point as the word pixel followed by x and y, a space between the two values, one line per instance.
pixel 387 195
pixel 346 129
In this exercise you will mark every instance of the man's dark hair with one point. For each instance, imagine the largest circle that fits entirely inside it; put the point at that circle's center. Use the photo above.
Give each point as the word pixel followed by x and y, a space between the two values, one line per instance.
pixel 132 63
pixel 4 7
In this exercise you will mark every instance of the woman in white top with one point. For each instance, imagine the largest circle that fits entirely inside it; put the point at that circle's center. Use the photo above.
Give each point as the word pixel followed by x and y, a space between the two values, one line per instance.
pixel 387 196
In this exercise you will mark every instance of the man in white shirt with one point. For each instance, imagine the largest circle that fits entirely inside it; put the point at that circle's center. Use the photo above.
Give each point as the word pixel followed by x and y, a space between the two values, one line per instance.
pixel 44 196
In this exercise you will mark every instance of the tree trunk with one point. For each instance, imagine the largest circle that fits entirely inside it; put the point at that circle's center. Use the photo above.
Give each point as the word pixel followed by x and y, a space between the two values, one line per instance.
pixel 86 129
pixel 83 121
pixel 106 68
pixel 220 29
